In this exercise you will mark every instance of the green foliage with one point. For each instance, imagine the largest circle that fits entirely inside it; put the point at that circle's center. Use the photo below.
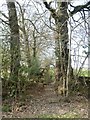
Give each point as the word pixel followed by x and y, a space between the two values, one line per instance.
pixel 70 115
pixel 6 108
pixel 83 72
pixel 5 57
pixel 35 67
pixel 23 71
pixel 52 74
pixel 9 89
pixel 49 75
pixel 33 70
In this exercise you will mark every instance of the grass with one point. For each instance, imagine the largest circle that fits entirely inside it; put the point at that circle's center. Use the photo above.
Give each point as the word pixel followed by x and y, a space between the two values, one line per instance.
pixel 83 72
pixel 67 115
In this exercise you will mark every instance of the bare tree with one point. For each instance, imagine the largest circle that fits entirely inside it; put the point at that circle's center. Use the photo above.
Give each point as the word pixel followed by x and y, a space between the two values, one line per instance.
pixel 25 33
pixel 61 39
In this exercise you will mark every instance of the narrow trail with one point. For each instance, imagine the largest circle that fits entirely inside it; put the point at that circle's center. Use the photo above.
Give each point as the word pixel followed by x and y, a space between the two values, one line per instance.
pixel 47 103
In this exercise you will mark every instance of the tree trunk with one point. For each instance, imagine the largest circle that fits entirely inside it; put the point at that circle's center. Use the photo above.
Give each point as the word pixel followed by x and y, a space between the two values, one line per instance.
pixel 27 48
pixel 61 41
pixel 34 45
pixel 89 54
pixel 89 43
pixel 14 42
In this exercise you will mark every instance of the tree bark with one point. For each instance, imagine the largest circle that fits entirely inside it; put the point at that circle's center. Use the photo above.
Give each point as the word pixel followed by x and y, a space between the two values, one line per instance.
pixel 34 45
pixel 14 42
pixel 61 44
pixel 61 40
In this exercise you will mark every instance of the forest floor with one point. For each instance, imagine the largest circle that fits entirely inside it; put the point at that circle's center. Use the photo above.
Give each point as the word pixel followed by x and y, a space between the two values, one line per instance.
pixel 43 103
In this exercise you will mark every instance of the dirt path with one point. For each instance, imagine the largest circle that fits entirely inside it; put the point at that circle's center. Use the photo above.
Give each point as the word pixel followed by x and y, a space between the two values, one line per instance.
pixel 48 104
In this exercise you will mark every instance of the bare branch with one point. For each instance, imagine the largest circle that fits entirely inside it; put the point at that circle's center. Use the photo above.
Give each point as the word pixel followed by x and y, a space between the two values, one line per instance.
pixel 4 15
pixel 4 21
pixel 80 8
pixel 52 10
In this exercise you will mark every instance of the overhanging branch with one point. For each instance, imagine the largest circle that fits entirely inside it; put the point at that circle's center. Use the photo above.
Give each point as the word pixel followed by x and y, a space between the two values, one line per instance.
pixel 52 10
pixel 80 8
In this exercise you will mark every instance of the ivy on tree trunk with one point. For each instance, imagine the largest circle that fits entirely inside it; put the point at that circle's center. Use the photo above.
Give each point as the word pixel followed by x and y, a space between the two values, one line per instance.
pixel 14 42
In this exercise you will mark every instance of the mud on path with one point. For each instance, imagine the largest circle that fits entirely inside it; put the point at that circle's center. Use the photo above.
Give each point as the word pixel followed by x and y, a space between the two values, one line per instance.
pixel 41 102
